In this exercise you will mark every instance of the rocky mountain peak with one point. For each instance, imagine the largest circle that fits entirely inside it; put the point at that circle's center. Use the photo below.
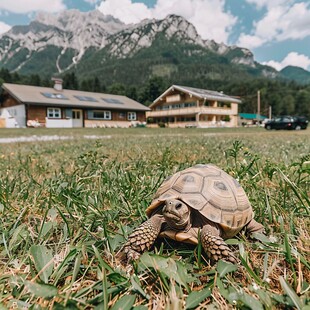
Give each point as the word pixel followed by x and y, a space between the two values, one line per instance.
pixel 129 41
pixel 70 29
pixel 183 29
pixel 71 20
pixel 72 33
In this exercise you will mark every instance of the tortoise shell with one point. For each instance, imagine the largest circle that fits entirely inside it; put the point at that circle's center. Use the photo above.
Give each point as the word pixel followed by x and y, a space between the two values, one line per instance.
pixel 211 191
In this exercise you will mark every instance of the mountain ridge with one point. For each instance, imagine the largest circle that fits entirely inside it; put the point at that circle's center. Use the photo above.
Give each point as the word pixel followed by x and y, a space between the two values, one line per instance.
pixel 297 74
pixel 57 43
pixel 79 31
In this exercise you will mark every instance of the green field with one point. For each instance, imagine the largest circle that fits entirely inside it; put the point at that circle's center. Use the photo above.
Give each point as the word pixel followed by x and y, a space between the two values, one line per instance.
pixel 69 198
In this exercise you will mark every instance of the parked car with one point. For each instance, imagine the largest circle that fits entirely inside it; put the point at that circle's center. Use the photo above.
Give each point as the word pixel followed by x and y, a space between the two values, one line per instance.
pixel 302 121
pixel 287 122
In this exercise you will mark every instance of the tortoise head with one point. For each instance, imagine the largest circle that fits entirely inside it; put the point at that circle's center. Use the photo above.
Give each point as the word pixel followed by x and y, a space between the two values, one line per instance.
pixel 177 214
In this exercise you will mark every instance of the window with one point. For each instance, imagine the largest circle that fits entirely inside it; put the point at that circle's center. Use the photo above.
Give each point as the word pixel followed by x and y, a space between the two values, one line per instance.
pixel 112 100
pixel 286 119
pixel 86 98
pixel 53 113
pixel 189 104
pixel 176 106
pixel 76 114
pixel 122 115
pixel 101 115
pixel 132 116
pixel 54 96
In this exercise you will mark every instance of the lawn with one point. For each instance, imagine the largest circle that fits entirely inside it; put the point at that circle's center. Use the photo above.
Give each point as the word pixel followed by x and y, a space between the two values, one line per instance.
pixel 69 198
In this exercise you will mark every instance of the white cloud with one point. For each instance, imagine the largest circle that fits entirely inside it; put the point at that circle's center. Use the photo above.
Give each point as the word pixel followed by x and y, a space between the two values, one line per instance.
pixel 208 16
pixel 284 20
pixel 267 3
pixel 292 59
pixel 125 10
pixel 19 6
pixel 296 22
pixel 4 27
pixel 250 41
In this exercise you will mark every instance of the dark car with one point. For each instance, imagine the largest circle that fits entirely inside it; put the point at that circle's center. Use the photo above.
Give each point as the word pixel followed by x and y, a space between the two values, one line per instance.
pixel 287 122
pixel 301 122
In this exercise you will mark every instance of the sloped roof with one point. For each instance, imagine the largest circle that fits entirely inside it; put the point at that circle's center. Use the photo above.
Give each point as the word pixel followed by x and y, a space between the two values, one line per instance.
pixel 71 98
pixel 200 93
pixel 251 116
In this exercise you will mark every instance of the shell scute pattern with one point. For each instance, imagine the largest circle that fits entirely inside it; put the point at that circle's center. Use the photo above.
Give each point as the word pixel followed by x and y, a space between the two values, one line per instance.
pixel 196 201
pixel 208 189
pixel 219 198
pixel 212 213
pixel 188 183
pixel 171 193
pixel 166 185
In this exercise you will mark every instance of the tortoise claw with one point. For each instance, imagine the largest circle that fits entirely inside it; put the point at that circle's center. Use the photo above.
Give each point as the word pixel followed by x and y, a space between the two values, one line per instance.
pixel 132 254
pixel 127 255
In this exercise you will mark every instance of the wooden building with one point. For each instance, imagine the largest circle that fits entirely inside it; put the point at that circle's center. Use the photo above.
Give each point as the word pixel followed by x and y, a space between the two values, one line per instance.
pixel 33 106
pixel 181 106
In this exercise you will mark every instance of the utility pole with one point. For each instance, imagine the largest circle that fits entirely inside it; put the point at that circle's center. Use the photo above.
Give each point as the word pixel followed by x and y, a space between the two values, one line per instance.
pixel 270 112
pixel 258 106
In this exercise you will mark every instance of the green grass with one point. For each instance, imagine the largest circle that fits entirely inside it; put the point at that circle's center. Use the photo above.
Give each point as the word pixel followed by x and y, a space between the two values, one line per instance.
pixel 67 207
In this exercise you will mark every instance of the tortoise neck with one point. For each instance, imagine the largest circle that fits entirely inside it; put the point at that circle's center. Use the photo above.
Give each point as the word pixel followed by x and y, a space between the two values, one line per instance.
pixel 183 228
pixel 188 227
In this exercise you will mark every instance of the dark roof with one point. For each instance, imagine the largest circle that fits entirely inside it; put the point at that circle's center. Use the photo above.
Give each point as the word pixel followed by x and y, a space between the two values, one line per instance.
pixel 73 98
pixel 251 116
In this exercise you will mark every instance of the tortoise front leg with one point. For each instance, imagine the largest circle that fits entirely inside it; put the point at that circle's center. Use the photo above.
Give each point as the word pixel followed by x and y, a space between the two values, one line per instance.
pixel 143 237
pixel 214 246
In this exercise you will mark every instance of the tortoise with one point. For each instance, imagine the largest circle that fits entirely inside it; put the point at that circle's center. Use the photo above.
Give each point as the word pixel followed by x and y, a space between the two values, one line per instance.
pixel 202 202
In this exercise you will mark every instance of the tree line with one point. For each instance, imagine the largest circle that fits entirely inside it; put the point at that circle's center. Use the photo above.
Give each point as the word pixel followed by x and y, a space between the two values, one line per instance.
pixel 282 96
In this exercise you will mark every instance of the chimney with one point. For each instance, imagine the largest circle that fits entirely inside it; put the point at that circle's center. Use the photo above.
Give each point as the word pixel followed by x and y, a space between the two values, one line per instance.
pixel 57 84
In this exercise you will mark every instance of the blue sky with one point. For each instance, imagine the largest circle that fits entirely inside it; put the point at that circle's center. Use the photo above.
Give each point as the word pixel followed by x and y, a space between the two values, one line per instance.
pixel 276 31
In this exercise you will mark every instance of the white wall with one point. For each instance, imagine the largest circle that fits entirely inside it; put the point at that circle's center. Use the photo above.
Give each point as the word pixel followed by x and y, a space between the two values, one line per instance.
pixel 58 123
pixel 14 116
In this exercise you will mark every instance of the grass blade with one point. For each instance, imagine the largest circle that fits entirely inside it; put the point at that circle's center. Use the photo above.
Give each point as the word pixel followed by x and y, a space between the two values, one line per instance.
pixel 196 297
pixel 125 303
pixel 223 268
pixel 43 261
pixel 291 293
pixel 41 290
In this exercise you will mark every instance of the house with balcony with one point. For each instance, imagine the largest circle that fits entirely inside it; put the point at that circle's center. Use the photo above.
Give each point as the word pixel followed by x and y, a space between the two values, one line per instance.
pixel 55 107
pixel 182 106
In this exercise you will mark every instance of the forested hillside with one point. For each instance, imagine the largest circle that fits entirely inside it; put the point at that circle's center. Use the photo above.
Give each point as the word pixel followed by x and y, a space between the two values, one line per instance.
pixel 283 97
pixel 296 73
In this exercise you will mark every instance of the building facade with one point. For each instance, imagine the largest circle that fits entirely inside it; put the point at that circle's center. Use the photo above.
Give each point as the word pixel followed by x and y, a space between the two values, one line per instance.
pixel 32 106
pixel 181 106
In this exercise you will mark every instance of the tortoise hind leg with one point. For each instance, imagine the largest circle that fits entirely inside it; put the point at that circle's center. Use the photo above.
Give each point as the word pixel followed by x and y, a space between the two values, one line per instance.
pixel 254 227
pixel 215 246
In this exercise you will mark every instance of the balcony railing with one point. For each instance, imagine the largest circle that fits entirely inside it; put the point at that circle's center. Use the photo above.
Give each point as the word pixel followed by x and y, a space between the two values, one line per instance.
pixel 191 111
pixel 219 124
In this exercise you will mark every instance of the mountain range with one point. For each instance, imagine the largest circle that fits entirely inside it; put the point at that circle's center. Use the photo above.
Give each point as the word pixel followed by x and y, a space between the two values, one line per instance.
pixel 92 44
